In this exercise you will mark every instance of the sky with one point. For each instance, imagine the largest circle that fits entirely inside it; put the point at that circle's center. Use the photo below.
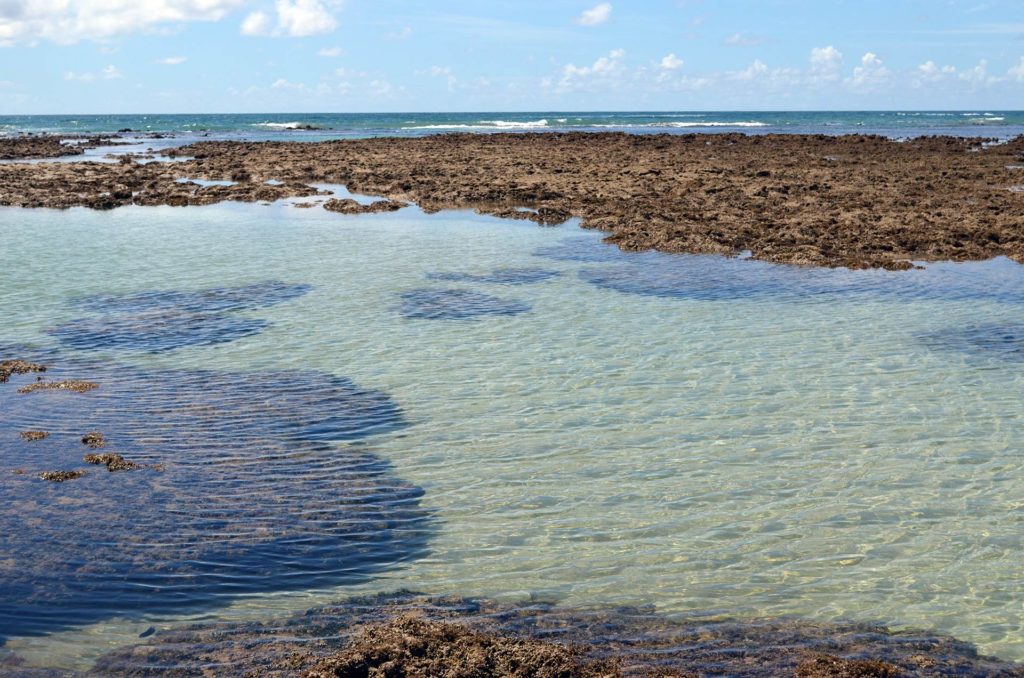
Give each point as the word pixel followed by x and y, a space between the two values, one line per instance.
pixel 223 56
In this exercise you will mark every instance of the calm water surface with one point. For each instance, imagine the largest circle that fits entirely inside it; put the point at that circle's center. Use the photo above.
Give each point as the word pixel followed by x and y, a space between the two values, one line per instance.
pixel 707 435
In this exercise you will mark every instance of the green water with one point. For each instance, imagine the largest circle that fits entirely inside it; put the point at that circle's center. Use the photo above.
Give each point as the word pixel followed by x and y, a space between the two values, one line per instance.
pixel 749 456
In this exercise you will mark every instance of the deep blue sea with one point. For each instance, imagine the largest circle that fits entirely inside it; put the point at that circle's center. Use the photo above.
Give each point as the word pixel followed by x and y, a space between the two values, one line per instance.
pixel 318 126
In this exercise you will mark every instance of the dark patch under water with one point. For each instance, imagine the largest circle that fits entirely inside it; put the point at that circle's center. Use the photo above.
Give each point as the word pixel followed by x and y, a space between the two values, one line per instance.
pixel 234 488
pixel 716 278
pixel 499 276
pixel 1000 342
pixel 214 300
pixel 641 641
pixel 156 331
pixel 455 304
pixel 164 320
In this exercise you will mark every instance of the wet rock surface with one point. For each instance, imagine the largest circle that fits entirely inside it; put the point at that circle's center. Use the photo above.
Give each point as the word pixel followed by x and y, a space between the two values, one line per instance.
pixel 61 476
pixel 456 304
pixel 70 385
pixel 9 367
pixel 406 634
pixel 500 276
pixel 94 440
pixel 34 435
pixel 240 483
pixel 350 206
pixel 855 201
pixel 46 146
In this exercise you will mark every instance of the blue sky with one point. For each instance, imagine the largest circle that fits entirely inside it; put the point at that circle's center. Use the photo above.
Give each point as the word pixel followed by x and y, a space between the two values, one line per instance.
pixel 136 56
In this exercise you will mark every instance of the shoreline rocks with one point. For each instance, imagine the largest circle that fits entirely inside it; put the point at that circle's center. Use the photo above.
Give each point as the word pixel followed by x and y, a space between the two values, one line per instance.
pixel 854 201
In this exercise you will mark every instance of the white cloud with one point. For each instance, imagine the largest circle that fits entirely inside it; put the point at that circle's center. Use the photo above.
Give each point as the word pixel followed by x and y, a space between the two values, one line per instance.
pixel 68 21
pixel 257 23
pixel 1017 72
pixel 826 63
pixel 331 52
pixel 598 14
pixel 299 18
pixel 441 72
pixel 605 67
pixel 80 77
pixel 108 73
pixel 741 40
pixel 979 76
pixel 401 34
pixel 295 18
pixel 871 72
pixel 754 71
pixel 671 62
pixel 283 83
pixel 172 61
pixel 381 88
pixel 929 71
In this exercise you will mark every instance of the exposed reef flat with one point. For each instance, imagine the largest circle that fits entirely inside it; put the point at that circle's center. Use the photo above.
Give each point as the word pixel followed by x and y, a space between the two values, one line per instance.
pixel 37 146
pixel 856 201
pixel 405 634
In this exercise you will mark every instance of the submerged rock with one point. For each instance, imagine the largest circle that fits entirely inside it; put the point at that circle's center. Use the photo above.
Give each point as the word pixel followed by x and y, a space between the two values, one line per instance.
pixel 61 476
pixel 350 206
pixel 113 462
pixel 264 488
pixel 499 276
pixel 156 331
pixel 34 435
pixel 165 320
pixel 9 367
pixel 406 634
pixel 94 439
pixel 410 646
pixel 456 304
pixel 73 385
pixel 212 300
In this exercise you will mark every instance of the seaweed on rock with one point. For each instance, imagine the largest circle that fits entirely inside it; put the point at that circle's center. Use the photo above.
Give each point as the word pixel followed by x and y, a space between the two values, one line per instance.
pixel 406 634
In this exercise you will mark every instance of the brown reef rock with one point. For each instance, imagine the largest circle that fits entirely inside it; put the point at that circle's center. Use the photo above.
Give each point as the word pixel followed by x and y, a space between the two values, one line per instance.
pixel 61 476
pixel 9 367
pixel 409 647
pixel 856 201
pixel 113 462
pixel 34 435
pixel 73 385
pixel 93 439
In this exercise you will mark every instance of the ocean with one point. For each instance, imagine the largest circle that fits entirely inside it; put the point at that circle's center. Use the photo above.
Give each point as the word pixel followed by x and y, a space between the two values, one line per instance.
pixel 320 126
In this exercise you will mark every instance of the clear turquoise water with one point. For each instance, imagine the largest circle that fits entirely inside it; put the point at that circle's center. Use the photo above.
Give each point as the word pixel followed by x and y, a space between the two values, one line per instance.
pixel 899 124
pixel 707 435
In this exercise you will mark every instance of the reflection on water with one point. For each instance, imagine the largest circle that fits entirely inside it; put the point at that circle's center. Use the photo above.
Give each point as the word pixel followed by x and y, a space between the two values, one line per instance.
pixel 711 436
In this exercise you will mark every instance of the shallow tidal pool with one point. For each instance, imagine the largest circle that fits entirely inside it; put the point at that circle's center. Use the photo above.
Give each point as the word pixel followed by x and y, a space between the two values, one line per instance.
pixel 524 411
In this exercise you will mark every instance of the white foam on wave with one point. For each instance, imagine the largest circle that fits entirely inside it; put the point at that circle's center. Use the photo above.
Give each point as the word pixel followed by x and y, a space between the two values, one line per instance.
pixel 487 124
pixel 709 123
pixel 279 125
